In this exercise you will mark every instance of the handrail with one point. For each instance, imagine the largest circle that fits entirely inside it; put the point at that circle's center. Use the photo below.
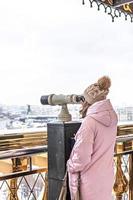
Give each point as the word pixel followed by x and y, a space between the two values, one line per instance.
pixel 23 173
pixel 124 138
pixel 23 152
pixel 21 139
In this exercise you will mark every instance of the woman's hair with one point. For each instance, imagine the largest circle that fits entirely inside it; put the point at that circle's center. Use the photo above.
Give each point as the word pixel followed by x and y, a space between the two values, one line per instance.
pixel 83 111
pixel 104 83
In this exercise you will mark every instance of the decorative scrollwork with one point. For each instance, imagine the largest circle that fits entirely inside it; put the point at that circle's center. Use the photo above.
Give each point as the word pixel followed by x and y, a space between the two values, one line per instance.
pixel 83 2
pixel 110 10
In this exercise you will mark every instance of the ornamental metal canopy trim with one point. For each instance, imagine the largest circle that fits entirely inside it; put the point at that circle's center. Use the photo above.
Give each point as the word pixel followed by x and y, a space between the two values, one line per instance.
pixel 114 8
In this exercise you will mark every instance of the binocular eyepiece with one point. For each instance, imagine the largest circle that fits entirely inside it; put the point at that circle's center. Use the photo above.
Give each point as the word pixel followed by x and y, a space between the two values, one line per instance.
pixel 61 99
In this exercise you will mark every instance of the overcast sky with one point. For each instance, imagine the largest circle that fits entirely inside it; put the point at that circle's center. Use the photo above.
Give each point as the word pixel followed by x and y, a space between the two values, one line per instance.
pixel 61 46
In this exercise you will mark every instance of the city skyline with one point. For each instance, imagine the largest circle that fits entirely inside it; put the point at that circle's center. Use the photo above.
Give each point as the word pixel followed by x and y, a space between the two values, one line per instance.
pixel 61 47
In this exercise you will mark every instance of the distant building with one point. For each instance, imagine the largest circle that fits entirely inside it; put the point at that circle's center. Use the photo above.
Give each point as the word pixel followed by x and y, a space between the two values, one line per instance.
pixel 125 113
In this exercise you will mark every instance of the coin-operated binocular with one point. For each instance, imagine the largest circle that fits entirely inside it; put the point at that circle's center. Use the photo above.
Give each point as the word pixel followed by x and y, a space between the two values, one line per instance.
pixel 62 100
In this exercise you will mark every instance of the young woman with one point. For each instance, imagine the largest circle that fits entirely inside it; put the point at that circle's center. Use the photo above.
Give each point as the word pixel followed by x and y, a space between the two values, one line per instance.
pixel 92 154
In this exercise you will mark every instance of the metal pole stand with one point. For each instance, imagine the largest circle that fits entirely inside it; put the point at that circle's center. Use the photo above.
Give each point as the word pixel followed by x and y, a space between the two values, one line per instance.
pixel 59 148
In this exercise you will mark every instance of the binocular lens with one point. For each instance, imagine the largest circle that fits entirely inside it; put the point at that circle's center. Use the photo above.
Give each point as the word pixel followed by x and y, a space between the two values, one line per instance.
pixel 44 100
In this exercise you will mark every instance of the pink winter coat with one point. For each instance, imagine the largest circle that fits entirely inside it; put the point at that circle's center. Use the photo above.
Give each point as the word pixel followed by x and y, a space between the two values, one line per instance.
pixel 92 154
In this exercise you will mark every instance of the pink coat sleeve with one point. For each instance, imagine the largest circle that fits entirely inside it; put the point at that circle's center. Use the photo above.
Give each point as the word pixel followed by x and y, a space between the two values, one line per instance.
pixel 83 147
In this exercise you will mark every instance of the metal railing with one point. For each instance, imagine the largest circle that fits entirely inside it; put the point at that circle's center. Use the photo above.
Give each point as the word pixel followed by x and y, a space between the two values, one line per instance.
pixel 27 185
pixel 123 163
pixel 27 181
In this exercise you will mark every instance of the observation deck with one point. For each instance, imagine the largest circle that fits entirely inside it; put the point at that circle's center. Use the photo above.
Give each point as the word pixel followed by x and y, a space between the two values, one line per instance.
pixel 24 164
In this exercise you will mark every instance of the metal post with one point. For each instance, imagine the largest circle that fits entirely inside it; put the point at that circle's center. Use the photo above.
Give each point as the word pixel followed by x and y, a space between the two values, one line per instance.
pixel 131 177
pixel 121 182
pixel 18 164
pixel 59 148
